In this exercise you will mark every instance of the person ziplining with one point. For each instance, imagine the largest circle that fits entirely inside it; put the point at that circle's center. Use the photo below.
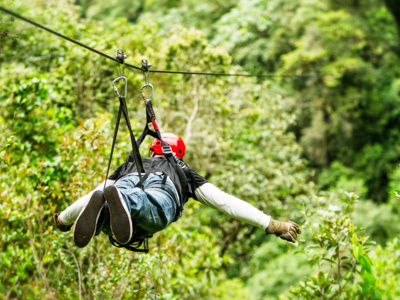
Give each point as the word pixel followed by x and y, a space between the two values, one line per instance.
pixel 146 194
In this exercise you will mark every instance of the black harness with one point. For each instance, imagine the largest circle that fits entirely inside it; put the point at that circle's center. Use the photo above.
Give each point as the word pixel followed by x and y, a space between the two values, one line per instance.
pixel 135 243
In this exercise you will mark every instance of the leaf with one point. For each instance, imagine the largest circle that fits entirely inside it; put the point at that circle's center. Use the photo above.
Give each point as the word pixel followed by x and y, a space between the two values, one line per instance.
pixel 355 252
pixel 348 265
pixel 369 278
pixel 360 249
pixel 354 239
pixel 365 264
pixel 8 156
pixel 81 123
pixel 321 278
pixel 334 288
pixel 313 246
pixel 370 243
pixel 330 260
pixel 331 252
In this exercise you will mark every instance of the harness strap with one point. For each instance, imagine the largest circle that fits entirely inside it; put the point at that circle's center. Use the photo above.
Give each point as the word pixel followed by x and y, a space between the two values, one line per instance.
pixel 123 110
pixel 163 186
pixel 170 192
pixel 185 169
pixel 135 148
pixel 113 144
pixel 151 118
pixel 132 245
pixel 146 131
pixel 141 184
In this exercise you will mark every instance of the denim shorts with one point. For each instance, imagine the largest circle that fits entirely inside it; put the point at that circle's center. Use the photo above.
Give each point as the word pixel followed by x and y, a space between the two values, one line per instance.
pixel 151 210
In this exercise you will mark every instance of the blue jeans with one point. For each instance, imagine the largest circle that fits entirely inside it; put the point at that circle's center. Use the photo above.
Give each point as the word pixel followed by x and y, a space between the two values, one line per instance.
pixel 151 210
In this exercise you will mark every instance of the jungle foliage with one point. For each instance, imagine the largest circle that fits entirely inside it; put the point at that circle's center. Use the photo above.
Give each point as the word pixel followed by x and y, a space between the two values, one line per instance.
pixel 295 148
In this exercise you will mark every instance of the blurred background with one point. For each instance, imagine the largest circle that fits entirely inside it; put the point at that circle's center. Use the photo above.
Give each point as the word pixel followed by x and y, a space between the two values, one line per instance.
pixel 317 142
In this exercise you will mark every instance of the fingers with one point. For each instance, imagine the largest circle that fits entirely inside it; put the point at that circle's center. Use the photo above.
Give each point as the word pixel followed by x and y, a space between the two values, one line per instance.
pixel 291 234
pixel 294 225
pixel 288 237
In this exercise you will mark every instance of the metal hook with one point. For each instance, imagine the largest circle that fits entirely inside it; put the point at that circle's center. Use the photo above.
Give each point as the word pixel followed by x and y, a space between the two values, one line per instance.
pixel 151 92
pixel 121 58
pixel 125 83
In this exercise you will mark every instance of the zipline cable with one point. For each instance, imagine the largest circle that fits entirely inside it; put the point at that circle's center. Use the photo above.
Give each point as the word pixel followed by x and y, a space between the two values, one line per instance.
pixel 63 36
pixel 141 69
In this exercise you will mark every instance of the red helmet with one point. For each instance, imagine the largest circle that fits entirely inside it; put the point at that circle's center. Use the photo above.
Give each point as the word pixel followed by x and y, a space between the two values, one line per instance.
pixel 175 142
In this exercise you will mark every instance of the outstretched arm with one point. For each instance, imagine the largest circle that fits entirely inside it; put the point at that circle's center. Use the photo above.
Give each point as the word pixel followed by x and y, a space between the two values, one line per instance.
pixel 212 196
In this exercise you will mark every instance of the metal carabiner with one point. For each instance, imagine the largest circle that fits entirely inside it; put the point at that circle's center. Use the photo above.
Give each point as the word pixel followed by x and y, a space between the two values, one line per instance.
pixel 125 82
pixel 151 92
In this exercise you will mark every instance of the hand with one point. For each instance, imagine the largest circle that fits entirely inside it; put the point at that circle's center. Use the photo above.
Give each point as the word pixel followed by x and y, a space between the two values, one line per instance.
pixel 287 231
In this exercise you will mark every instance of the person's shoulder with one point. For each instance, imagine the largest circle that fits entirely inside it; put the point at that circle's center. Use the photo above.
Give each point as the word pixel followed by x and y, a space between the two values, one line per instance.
pixel 197 179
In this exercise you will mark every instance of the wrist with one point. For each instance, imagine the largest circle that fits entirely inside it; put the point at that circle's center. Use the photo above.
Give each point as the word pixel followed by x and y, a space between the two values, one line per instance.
pixel 272 227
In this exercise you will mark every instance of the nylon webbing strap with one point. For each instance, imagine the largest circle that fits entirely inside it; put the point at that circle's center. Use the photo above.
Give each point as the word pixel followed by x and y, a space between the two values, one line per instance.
pixel 135 149
pixel 151 118
pixel 132 245
pixel 113 145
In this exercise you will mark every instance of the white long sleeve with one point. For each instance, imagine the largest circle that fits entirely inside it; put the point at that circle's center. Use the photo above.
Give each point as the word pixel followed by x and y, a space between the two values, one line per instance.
pixel 69 215
pixel 212 196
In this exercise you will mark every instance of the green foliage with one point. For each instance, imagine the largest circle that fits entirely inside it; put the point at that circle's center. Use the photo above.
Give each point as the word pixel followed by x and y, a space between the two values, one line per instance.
pixel 386 263
pixel 57 111
pixel 381 221
pixel 188 13
pixel 5 22
pixel 348 115
pixel 275 267
pixel 349 265
pixel 345 268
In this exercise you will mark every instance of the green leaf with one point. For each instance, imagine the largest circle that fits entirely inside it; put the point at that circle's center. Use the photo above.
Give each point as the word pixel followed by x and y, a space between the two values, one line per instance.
pixel 355 252
pixel 365 263
pixel 360 249
pixel 369 278
pixel 321 278
pixel 330 260
pixel 354 239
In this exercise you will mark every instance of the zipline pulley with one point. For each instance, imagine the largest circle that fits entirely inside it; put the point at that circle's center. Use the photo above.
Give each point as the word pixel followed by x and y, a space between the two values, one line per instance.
pixel 121 58
pixel 146 73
